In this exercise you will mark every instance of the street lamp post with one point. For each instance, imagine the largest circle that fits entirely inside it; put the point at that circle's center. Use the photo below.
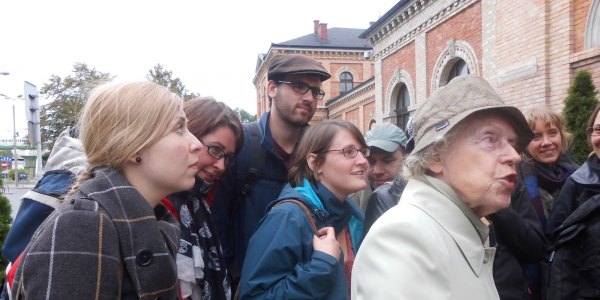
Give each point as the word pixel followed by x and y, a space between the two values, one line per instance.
pixel 16 166
pixel 15 160
pixel 14 137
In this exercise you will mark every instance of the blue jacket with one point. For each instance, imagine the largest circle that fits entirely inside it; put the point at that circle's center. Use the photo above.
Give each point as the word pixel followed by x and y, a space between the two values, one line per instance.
pixel 65 162
pixel 280 262
pixel 236 222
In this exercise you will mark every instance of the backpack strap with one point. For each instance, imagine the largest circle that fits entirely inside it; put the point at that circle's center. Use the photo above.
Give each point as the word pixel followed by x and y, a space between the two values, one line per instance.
pixel 256 162
pixel 257 157
pixel 310 217
pixel 256 165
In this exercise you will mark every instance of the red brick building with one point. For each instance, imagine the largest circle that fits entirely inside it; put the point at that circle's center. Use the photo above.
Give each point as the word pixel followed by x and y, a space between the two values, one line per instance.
pixel 339 50
pixel 529 50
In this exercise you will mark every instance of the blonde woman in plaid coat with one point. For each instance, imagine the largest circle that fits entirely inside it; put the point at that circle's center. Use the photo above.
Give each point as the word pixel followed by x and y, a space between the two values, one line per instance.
pixel 113 239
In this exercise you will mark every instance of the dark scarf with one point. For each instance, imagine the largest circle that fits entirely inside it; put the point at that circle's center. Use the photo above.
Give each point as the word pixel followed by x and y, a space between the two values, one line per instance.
pixel 200 261
pixel 549 178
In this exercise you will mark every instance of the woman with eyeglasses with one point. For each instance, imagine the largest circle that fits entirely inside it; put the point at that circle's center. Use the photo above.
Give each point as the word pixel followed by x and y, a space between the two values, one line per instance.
pixel 200 262
pixel 574 227
pixel 583 183
pixel 295 251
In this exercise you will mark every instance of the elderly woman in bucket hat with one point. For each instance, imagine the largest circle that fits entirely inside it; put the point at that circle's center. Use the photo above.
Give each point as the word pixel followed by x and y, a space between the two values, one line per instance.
pixel 434 244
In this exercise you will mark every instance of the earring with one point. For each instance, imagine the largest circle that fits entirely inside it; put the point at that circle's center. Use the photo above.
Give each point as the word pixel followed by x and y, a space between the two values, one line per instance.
pixel 138 159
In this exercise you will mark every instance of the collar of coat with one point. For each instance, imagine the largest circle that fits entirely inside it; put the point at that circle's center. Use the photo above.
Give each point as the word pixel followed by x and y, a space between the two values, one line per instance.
pixel 334 213
pixel 587 174
pixel 453 215
pixel 139 227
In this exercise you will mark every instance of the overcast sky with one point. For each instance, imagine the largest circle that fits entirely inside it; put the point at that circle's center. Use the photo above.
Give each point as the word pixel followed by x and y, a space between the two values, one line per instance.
pixel 212 46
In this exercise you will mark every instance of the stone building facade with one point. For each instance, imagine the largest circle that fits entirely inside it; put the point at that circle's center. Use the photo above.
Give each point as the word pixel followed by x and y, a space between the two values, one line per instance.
pixel 528 50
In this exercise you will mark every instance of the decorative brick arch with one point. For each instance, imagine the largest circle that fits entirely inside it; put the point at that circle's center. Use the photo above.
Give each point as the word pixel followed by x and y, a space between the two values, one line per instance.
pixel 401 76
pixel 372 123
pixel 348 69
pixel 456 50
pixel 592 26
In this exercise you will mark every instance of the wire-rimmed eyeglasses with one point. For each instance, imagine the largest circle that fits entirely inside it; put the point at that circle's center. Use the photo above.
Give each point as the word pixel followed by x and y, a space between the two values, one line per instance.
pixel 303 88
pixel 352 152
pixel 593 130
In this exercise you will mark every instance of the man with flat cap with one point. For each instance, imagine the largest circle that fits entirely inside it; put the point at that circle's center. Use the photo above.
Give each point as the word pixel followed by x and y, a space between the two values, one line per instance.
pixel 261 167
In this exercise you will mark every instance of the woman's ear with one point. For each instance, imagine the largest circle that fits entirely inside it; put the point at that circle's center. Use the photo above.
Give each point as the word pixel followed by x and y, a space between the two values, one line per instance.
pixel 135 158
pixel 436 166
pixel 310 161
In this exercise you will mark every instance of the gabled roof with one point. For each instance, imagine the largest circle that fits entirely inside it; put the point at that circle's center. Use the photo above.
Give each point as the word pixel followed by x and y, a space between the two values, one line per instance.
pixel 338 38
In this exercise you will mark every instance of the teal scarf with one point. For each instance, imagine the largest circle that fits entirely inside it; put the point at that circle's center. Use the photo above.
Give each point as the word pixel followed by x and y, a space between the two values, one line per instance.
pixel 355 226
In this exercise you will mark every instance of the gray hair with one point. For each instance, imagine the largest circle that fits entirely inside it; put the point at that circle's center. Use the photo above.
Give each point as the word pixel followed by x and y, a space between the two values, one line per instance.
pixel 416 164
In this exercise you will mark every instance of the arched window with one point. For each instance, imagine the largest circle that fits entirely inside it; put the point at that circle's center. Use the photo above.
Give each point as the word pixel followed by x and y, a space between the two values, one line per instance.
pixel 346 82
pixel 592 27
pixel 372 124
pixel 402 103
pixel 459 68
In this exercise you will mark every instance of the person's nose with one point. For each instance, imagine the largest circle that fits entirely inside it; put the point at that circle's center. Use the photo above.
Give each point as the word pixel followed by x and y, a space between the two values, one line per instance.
pixel 545 140
pixel 220 165
pixel 309 97
pixel 361 159
pixel 511 156
pixel 195 144
pixel 377 168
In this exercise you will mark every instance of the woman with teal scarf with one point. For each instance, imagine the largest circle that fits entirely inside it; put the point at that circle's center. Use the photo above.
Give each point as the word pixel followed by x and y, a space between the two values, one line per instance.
pixel 286 258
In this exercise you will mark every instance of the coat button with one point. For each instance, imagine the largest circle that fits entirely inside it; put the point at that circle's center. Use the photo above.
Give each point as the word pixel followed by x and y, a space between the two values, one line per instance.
pixel 144 257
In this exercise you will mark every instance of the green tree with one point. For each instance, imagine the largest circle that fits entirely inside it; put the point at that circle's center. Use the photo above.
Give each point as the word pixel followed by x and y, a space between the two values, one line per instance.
pixel 164 77
pixel 11 173
pixel 67 95
pixel 5 221
pixel 245 116
pixel 579 105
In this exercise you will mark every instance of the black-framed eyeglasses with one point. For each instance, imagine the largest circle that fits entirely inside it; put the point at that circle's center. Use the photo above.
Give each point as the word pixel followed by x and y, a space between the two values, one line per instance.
pixel 217 152
pixel 352 152
pixel 303 88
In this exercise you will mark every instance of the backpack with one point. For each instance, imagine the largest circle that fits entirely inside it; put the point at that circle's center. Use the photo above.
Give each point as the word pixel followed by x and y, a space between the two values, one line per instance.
pixel 574 264
pixel 36 205
pixel 254 171
pixel 256 167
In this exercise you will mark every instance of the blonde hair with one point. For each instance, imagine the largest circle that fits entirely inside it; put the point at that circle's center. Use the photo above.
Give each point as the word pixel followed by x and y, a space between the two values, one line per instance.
pixel 543 113
pixel 121 118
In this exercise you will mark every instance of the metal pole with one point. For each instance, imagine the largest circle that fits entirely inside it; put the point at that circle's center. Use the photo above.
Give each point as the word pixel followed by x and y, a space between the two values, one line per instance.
pixel 15 160
pixel 38 146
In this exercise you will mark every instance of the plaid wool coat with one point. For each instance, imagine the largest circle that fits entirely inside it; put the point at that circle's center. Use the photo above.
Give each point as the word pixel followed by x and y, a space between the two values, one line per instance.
pixel 105 243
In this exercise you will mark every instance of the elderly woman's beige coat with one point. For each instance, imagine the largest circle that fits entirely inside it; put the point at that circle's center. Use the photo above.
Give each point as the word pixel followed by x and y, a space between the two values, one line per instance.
pixel 429 246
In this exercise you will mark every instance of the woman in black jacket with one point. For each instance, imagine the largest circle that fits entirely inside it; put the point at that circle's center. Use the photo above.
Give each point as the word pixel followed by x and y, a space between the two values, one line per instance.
pixel 200 262
pixel 517 235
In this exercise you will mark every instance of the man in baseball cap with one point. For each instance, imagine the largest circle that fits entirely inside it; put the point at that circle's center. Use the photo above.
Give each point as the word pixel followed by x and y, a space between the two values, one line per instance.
pixel 293 88
pixel 387 142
